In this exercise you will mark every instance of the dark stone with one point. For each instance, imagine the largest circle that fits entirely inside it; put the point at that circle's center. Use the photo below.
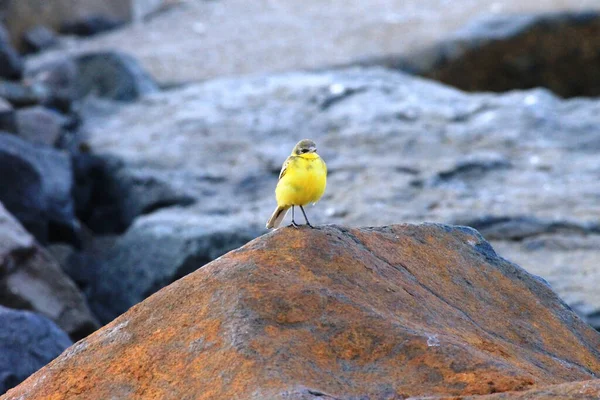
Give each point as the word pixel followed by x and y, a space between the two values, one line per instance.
pixel 35 186
pixel 40 125
pixel 59 80
pixel 91 25
pixel 7 117
pixel 163 247
pixel 39 38
pixel 27 342
pixel 23 94
pixel 521 227
pixel 31 279
pixel 109 195
pixel 11 65
pixel 112 75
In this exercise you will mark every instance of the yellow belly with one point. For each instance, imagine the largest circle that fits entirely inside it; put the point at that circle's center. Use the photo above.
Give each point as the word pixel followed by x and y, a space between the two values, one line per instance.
pixel 303 183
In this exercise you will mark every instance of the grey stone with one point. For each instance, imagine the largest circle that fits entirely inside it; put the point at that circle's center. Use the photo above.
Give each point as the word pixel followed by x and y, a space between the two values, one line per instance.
pixel 31 279
pixel 58 78
pixel 36 183
pixel 109 195
pixel 27 342
pixel 23 94
pixel 40 125
pixel 7 116
pixel 155 251
pixel 39 38
pixel 112 75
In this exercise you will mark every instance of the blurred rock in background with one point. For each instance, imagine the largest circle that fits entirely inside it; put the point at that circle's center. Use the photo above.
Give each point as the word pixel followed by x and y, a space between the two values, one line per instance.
pixel 77 17
pixel 31 279
pixel 28 341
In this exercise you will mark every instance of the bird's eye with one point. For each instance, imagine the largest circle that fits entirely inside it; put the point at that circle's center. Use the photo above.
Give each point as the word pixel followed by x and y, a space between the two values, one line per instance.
pixel 305 150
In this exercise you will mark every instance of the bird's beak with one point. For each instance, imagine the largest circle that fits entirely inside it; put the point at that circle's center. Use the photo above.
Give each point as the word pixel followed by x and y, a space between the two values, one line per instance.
pixel 313 150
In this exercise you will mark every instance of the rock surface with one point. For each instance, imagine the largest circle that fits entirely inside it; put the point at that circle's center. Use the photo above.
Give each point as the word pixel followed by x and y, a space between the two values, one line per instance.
pixel 36 184
pixel 586 390
pixel 521 166
pixel 27 342
pixel 334 312
pixel 30 279
pixel 205 39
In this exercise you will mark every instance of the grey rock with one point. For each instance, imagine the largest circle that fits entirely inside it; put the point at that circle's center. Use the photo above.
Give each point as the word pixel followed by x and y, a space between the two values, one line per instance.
pixel 521 227
pixel 11 65
pixel 156 250
pixel 7 116
pixel 82 265
pixel 39 38
pixel 36 183
pixel 112 75
pixel 31 279
pixel 40 125
pixel 27 342
pixel 109 195
pixel 523 158
pixel 58 78
pixel 23 94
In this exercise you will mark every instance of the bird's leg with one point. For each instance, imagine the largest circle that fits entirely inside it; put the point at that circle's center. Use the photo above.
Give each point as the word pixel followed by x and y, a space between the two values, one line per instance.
pixel 293 222
pixel 307 223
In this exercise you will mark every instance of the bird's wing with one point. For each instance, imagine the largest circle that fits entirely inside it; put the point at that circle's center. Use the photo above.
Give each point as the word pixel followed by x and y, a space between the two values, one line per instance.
pixel 285 165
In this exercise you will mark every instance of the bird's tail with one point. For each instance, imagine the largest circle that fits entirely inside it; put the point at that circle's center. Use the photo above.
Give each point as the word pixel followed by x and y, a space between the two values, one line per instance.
pixel 277 217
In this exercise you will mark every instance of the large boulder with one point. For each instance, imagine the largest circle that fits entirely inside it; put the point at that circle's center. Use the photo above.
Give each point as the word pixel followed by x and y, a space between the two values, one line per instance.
pixel 31 279
pixel 521 166
pixel 36 183
pixel 333 312
pixel 27 342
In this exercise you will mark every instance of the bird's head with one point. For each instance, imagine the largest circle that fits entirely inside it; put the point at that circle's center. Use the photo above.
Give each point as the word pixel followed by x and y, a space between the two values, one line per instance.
pixel 304 146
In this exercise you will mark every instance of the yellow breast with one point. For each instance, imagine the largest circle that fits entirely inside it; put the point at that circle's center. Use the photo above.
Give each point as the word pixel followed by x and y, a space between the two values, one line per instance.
pixel 303 181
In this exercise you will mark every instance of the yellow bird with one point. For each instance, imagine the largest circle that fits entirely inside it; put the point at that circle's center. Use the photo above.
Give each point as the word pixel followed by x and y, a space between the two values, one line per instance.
pixel 302 181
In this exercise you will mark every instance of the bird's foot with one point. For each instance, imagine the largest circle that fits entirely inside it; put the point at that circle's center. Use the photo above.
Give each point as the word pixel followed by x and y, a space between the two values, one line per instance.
pixel 293 224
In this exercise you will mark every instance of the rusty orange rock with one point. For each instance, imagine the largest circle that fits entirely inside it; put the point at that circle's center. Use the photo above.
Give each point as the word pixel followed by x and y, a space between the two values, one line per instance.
pixel 374 313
